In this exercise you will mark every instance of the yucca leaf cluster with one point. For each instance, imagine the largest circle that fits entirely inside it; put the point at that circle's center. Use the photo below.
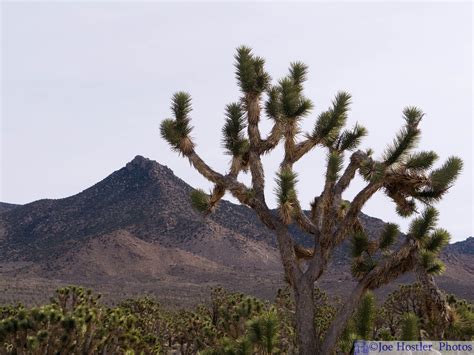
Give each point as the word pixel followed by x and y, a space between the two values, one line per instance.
pixel 286 101
pixel 330 122
pixel 367 253
pixel 199 200
pixel 430 239
pixel 286 193
pixel 176 131
pixel 233 132
pixel 250 72
pixel 407 138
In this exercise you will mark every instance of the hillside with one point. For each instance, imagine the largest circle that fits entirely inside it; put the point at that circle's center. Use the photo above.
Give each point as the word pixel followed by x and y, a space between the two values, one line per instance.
pixel 135 231
pixel 6 206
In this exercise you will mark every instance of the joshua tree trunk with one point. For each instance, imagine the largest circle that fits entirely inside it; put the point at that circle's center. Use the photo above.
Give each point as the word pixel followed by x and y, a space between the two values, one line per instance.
pixel 305 326
pixel 439 312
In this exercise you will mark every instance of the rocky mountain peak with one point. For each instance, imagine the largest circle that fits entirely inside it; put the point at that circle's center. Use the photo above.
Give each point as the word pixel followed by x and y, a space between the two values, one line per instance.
pixel 141 162
pixel 143 168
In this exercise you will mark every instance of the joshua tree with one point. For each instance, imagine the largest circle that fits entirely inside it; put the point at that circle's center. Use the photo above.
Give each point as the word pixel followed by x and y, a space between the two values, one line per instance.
pixel 404 176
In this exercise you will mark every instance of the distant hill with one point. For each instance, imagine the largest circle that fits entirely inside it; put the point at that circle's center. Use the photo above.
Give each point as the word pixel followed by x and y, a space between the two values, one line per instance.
pixel 6 206
pixel 135 231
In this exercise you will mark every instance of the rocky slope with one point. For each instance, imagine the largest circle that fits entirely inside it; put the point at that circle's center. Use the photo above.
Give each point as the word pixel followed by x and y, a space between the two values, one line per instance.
pixel 6 206
pixel 136 231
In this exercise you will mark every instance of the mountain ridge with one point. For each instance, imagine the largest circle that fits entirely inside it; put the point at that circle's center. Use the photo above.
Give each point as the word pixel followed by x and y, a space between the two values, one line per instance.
pixel 137 227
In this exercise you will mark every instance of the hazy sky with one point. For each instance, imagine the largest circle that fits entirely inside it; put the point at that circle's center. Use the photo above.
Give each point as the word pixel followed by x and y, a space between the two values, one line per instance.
pixel 85 85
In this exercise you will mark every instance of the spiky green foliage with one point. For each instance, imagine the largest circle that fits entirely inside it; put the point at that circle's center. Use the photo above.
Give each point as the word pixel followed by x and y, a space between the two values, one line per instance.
pixel 389 235
pixel 340 106
pixel 263 332
pixel 199 200
pixel 176 131
pixel 411 298
pixel 443 177
pixel 181 106
pixel 410 327
pixel 74 322
pixel 234 140
pixel 250 72
pixel 462 328
pixel 438 240
pixel 404 141
pixel 350 139
pixel 430 241
pixel 169 132
pixel 290 100
pixel 229 346
pixel 412 115
pixel 431 263
pixel 286 100
pixel 330 122
pixel 441 180
pixel 249 325
pixel 286 186
pixel 362 265
pixel 365 316
pixel 360 243
pixel 421 160
pixel 334 165
pixel 421 226
pixel 286 193
pixel 273 107
pixel 407 209
pixel 347 338
pixel 372 171
pixel 436 268
pixel 407 298
pixel 293 103
pixel 298 73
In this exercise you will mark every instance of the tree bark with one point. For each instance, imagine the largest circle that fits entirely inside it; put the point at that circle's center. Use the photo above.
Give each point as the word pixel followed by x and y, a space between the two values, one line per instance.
pixel 339 323
pixel 305 328
pixel 438 308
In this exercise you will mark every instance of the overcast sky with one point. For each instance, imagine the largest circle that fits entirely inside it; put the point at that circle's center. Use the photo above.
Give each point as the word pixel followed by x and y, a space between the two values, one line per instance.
pixel 85 85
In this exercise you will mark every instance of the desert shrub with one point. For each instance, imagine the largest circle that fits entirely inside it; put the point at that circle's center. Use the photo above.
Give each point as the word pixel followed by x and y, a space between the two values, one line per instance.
pixel 76 322
pixel 73 323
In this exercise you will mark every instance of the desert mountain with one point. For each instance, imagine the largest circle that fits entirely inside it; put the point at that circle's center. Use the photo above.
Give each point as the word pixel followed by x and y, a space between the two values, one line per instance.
pixel 6 206
pixel 136 231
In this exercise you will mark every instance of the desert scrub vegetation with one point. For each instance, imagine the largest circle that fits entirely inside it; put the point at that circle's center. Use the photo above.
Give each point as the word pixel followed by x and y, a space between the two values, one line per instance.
pixel 76 322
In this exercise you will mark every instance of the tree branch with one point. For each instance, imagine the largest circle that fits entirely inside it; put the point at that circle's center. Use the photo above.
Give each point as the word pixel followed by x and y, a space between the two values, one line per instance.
pixel 351 217
pixel 304 147
pixel 344 181
pixel 255 163
pixel 219 189
pixel 388 270
pixel 229 182
pixel 439 312
pixel 272 140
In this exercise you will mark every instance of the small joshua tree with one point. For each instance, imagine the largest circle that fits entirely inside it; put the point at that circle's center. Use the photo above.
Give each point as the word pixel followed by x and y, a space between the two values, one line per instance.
pixel 403 175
